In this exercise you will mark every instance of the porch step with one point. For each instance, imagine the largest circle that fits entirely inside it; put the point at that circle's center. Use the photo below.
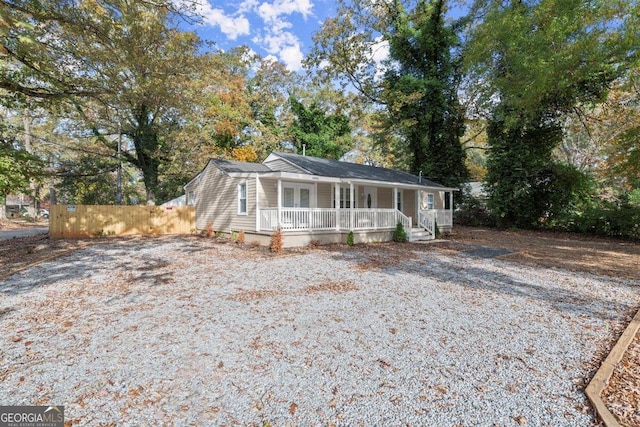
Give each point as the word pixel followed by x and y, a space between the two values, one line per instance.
pixel 418 234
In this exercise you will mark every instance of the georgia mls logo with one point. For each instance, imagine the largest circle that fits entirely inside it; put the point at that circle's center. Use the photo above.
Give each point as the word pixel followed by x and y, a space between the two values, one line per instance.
pixel 31 416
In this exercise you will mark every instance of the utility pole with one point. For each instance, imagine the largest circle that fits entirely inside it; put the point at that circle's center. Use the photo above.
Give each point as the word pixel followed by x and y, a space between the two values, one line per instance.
pixel 119 176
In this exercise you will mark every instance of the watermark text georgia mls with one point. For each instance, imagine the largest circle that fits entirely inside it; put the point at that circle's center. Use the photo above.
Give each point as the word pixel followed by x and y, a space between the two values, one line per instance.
pixel 31 416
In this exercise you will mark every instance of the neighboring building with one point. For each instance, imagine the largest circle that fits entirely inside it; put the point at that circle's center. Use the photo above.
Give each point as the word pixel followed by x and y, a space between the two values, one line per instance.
pixel 313 199
pixel 178 201
pixel 476 189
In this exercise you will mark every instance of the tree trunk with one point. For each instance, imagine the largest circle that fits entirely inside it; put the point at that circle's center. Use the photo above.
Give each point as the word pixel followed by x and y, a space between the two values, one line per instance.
pixel 3 209
pixel 34 188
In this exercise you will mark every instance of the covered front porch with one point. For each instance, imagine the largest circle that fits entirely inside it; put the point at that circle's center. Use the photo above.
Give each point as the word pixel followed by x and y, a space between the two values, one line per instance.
pixel 337 205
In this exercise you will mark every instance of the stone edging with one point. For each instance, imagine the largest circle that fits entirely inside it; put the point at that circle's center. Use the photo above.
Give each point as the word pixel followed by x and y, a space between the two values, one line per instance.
pixel 602 377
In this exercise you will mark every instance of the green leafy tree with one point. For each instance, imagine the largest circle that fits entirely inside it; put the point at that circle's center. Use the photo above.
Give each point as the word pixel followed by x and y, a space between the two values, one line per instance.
pixel 401 57
pixel 18 168
pixel 131 70
pixel 538 60
pixel 420 89
pixel 326 135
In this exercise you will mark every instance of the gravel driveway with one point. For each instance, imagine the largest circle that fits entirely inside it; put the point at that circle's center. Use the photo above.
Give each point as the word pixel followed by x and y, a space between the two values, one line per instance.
pixel 184 331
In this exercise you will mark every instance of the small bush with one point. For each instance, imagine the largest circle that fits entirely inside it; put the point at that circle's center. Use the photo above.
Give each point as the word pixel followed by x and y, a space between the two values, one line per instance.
pixel 350 241
pixel 276 242
pixel 234 236
pixel 473 212
pixel 399 235
pixel 436 230
pixel 208 231
pixel 241 237
pixel 255 244
pixel 613 221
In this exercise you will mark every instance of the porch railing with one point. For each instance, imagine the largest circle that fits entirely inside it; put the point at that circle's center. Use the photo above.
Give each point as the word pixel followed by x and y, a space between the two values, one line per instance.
pixel 444 217
pixel 325 219
pixel 427 220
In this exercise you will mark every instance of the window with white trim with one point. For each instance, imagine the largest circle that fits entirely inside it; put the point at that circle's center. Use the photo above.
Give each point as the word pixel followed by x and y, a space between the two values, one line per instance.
pixel 345 198
pixel 431 204
pixel 242 198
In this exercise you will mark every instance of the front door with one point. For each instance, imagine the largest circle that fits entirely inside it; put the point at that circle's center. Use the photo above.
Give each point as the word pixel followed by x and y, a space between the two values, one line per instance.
pixel 369 198
pixel 296 196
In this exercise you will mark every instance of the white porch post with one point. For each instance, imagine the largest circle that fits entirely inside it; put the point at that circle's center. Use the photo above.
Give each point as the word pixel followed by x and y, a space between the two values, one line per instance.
pixel 395 198
pixel 279 202
pixel 451 207
pixel 257 206
pixel 336 198
pixel 352 198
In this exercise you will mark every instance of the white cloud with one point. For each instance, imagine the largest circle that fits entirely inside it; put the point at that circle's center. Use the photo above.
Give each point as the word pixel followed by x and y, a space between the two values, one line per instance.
pixel 292 57
pixel 230 26
pixel 275 36
pixel 277 41
pixel 379 53
pixel 272 11
pixel 286 47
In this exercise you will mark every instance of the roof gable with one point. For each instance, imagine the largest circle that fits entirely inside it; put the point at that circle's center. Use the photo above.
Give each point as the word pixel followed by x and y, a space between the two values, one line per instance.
pixel 230 166
pixel 346 170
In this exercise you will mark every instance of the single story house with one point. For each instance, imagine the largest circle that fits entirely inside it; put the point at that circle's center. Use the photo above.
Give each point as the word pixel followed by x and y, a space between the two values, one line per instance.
pixel 314 199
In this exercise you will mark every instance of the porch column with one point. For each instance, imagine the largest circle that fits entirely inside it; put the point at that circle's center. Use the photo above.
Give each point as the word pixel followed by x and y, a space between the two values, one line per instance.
pixel 451 207
pixel 395 198
pixel 336 197
pixel 279 202
pixel 353 200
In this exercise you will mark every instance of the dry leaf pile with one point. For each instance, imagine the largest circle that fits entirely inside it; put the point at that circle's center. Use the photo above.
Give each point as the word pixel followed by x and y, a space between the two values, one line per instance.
pixel 622 394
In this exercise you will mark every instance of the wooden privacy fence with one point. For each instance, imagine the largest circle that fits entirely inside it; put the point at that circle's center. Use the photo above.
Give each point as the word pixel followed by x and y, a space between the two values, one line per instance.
pixel 71 221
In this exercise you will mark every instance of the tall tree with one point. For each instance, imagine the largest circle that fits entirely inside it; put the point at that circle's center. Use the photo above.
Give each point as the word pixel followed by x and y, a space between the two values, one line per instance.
pixel 18 167
pixel 401 56
pixel 420 89
pixel 537 60
pixel 121 66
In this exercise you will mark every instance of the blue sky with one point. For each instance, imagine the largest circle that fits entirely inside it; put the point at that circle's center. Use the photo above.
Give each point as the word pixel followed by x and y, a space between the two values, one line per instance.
pixel 280 29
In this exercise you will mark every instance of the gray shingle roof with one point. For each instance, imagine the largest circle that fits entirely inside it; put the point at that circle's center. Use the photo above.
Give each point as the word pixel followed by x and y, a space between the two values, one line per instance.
pixel 233 166
pixel 335 168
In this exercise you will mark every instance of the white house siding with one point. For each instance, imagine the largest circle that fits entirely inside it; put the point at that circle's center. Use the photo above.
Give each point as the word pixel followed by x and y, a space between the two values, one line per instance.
pixel 385 198
pixel 217 202
pixel 325 195
pixel 268 194
pixel 282 166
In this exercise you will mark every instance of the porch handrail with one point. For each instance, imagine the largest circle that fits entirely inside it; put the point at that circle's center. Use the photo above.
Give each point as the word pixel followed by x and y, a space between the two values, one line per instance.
pixel 427 220
pixel 406 222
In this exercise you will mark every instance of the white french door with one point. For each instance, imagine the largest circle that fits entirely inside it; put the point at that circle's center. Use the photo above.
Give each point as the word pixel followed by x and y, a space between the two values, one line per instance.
pixel 296 195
